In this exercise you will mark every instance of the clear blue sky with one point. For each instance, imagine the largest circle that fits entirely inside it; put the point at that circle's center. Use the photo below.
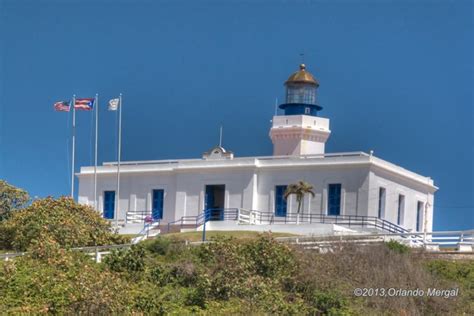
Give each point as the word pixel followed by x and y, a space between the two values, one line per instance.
pixel 396 77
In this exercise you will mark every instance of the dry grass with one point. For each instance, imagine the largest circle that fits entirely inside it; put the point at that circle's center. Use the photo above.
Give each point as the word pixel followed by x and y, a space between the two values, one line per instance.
pixel 376 266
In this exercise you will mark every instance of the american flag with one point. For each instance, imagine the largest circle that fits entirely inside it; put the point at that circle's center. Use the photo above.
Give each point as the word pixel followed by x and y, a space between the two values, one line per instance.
pixel 84 104
pixel 62 106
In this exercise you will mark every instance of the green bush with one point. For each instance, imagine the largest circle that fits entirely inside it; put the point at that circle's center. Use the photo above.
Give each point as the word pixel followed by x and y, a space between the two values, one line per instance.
pixel 195 297
pixel 128 261
pixel 330 302
pixel 270 258
pixel 159 245
pixel 461 272
pixel 11 199
pixel 227 267
pixel 68 223
pixel 56 281
pixel 397 247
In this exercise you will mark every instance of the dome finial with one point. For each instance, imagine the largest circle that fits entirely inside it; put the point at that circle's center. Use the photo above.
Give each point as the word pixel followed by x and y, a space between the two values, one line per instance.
pixel 302 67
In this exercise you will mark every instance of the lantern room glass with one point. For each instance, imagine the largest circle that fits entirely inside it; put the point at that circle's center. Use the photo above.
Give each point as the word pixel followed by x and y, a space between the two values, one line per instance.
pixel 301 93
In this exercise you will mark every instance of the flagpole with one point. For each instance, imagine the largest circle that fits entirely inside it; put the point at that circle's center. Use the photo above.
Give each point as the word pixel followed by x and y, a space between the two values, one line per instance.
pixel 118 159
pixel 96 140
pixel 73 143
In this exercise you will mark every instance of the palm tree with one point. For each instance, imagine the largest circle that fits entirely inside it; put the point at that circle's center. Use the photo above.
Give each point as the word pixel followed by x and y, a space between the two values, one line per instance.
pixel 299 189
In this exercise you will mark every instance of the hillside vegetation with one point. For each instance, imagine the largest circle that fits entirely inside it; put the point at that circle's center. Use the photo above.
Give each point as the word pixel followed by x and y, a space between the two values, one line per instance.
pixel 229 276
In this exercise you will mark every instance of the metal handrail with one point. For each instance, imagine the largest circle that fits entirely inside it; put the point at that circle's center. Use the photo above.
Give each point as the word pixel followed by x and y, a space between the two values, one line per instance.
pixel 254 217
pixel 349 220
pixel 205 216
pixel 439 237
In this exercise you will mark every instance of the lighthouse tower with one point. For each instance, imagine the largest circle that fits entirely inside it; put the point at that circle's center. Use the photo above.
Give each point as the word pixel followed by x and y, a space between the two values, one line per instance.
pixel 300 131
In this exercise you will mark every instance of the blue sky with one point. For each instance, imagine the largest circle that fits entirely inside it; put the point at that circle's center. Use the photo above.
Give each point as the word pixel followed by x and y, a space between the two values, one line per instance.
pixel 396 77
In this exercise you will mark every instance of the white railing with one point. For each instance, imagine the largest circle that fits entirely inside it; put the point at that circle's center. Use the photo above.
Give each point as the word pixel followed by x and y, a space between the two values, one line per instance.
pixel 97 252
pixel 253 217
pixel 462 241
pixel 145 232
pixel 246 216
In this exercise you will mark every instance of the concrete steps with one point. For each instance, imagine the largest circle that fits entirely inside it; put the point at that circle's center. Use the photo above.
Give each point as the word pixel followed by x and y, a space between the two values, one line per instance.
pixel 136 217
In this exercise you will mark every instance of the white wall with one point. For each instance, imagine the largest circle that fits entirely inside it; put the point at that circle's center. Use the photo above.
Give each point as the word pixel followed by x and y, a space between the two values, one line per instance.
pixel 299 135
pixel 351 180
pixel 191 189
pixel 254 188
pixel 394 187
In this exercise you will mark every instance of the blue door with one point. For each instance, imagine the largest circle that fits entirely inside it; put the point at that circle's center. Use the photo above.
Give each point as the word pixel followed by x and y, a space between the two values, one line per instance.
pixel 334 199
pixel 157 204
pixel 214 201
pixel 209 199
pixel 109 204
pixel 280 201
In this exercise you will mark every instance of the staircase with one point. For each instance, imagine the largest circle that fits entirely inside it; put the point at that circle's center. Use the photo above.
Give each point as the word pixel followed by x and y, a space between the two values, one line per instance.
pixel 242 217
pixel 137 216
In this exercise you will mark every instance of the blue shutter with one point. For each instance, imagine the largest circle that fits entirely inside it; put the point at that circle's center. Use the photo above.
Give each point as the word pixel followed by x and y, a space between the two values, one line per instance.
pixel 157 204
pixel 280 201
pixel 109 204
pixel 334 199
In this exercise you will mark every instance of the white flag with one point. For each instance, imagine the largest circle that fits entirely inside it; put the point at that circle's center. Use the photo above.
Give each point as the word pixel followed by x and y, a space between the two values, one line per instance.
pixel 113 104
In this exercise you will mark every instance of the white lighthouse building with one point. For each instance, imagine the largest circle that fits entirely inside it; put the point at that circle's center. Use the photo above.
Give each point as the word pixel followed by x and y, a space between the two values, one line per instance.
pixel 352 191
pixel 300 131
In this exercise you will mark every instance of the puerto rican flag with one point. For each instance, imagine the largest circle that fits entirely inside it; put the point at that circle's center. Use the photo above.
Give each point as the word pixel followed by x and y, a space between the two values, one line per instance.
pixel 62 106
pixel 86 104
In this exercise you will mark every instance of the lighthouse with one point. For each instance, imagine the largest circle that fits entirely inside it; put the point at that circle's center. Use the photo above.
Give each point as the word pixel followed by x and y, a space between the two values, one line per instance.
pixel 300 131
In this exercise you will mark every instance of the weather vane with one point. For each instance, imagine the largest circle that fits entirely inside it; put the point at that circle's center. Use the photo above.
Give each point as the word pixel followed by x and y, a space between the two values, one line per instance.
pixel 302 57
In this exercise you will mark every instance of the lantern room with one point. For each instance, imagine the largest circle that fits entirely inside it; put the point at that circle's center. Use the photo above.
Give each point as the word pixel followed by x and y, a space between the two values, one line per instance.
pixel 301 94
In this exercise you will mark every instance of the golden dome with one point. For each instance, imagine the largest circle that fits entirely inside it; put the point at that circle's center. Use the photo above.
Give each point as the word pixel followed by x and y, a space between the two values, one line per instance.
pixel 302 76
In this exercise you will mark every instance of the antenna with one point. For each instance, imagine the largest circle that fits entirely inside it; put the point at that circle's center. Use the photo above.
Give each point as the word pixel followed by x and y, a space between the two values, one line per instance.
pixel 220 137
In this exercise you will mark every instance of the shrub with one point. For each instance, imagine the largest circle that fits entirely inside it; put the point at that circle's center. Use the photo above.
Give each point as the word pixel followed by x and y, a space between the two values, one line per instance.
pixel 159 245
pixel 68 223
pixel 270 258
pixel 195 297
pixel 397 247
pixel 146 298
pixel 128 261
pixel 227 267
pixel 181 273
pixel 330 303
pixel 459 271
pixel 58 281
pixel 11 198
pixel 458 274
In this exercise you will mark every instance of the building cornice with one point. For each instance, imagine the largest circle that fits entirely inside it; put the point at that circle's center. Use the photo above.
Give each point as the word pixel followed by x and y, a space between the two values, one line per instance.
pixel 354 159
